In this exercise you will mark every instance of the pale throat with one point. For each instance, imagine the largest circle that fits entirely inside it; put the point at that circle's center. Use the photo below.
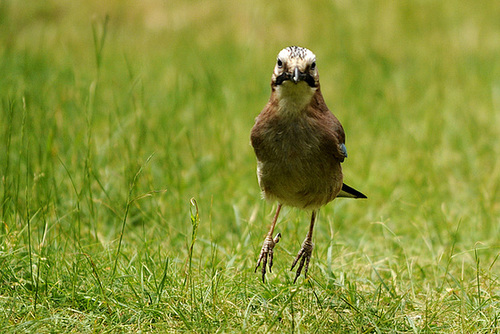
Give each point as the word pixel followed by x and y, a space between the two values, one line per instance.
pixel 293 98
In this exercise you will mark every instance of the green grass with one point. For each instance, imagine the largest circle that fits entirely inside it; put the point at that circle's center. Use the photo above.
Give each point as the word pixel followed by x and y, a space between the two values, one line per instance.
pixel 128 195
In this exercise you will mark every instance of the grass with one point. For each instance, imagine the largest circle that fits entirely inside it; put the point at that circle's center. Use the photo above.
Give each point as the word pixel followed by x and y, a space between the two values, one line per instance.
pixel 128 196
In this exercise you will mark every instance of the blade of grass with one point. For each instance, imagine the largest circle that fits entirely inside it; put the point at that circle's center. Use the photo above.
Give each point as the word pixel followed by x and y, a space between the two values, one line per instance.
pixel 130 200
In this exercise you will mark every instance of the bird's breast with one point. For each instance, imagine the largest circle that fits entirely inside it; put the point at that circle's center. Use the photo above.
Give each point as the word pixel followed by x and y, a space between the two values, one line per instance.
pixel 294 167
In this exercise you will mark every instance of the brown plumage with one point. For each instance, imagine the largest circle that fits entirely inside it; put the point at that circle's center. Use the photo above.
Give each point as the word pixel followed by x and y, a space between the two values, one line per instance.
pixel 299 146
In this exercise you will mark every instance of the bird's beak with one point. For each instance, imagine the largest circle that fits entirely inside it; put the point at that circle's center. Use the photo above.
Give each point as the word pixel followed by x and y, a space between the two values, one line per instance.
pixel 296 75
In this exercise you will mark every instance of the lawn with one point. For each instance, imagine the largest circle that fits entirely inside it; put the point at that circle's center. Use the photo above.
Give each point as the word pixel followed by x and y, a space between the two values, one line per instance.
pixel 128 195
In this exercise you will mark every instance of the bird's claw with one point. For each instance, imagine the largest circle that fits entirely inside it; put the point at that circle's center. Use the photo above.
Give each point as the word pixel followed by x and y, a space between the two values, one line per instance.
pixel 266 254
pixel 305 256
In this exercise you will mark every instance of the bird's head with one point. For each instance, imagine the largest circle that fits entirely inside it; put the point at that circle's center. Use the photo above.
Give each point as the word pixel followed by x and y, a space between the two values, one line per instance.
pixel 296 65
pixel 295 75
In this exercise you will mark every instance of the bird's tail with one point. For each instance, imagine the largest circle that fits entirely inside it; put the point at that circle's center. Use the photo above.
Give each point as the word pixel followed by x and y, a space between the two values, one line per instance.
pixel 349 192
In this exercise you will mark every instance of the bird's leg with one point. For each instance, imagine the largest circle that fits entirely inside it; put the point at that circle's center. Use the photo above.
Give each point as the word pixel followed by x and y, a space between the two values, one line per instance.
pixel 306 250
pixel 268 245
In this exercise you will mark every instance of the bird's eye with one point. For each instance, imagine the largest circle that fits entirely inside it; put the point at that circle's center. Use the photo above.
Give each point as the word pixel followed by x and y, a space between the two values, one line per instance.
pixel 313 66
pixel 280 63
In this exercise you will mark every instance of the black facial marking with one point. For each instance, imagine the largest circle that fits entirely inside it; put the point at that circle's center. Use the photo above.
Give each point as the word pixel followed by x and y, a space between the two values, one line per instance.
pixel 282 77
pixel 309 79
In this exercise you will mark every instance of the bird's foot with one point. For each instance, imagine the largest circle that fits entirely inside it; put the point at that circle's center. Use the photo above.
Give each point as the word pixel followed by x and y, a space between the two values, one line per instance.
pixel 305 256
pixel 266 254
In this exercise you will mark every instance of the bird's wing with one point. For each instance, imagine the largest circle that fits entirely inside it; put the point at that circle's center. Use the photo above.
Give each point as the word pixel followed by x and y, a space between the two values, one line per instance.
pixel 256 135
pixel 334 137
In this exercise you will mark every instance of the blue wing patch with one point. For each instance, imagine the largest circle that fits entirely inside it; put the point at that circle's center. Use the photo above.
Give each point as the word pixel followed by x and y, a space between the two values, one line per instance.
pixel 343 149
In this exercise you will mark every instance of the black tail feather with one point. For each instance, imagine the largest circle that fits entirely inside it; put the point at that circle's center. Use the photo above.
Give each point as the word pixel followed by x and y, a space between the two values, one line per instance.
pixel 350 192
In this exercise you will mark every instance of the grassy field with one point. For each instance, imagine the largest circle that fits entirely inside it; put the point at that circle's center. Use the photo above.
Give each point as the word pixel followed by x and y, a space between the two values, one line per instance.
pixel 128 195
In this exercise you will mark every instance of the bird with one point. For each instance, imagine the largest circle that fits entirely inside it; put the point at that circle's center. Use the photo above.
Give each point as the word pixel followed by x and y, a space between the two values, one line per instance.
pixel 299 145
